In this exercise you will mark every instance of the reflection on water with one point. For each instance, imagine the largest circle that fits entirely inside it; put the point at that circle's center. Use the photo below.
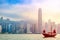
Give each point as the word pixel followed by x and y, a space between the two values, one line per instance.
pixel 26 37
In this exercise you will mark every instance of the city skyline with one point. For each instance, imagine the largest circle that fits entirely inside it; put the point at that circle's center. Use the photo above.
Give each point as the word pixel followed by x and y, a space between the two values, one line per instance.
pixel 24 26
pixel 29 16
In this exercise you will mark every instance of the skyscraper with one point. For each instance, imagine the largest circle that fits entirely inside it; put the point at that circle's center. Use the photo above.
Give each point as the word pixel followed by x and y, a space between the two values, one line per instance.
pixel 28 28
pixel 33 28
pixel 39 20
pixel 46 27
pixel 0 28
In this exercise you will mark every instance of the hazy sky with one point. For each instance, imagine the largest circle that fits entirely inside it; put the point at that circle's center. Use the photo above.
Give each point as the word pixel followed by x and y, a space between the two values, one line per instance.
pixel 28 9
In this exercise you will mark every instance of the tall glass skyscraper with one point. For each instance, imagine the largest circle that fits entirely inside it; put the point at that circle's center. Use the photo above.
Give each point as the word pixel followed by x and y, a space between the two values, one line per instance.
pixel 39 20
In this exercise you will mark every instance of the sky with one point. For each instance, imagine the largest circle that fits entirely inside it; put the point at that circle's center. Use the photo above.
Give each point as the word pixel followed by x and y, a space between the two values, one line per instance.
pixel 28 9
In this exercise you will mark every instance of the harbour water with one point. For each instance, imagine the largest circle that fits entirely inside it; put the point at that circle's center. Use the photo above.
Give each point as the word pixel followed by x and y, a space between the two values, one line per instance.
pixel 26 37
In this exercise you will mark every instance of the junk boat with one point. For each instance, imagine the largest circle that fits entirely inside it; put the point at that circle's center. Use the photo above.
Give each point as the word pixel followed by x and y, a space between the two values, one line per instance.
pixel 49 34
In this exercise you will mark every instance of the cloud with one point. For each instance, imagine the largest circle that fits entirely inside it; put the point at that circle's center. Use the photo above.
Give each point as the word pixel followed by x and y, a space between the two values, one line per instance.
pixel 19 11
pixel 10 15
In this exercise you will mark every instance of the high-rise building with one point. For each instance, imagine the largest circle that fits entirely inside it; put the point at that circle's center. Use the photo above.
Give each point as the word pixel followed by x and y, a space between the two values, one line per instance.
pixel 46 27
pixel 33 28
pixel 0 28
pixel 1 18
pixel 28 28
pixel 39 20
pixel 9 28
pixel 58 28
pixel 22 28
pixel 49 25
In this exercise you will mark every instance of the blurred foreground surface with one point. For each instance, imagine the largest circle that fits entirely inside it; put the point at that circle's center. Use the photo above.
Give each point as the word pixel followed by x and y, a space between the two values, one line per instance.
pixel 26 37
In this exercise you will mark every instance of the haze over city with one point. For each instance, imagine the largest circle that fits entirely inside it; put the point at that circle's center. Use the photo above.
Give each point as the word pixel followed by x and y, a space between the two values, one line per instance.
pixel 28 9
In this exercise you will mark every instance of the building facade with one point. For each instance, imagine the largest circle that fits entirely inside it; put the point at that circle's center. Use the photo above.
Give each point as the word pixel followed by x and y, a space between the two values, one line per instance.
pixel 39 20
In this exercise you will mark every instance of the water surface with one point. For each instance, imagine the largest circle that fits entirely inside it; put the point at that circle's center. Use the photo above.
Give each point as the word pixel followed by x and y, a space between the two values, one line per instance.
pixel 26 37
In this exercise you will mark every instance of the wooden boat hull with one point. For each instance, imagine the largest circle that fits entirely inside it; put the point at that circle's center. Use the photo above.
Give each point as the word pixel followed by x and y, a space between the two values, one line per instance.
pixel 48 35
